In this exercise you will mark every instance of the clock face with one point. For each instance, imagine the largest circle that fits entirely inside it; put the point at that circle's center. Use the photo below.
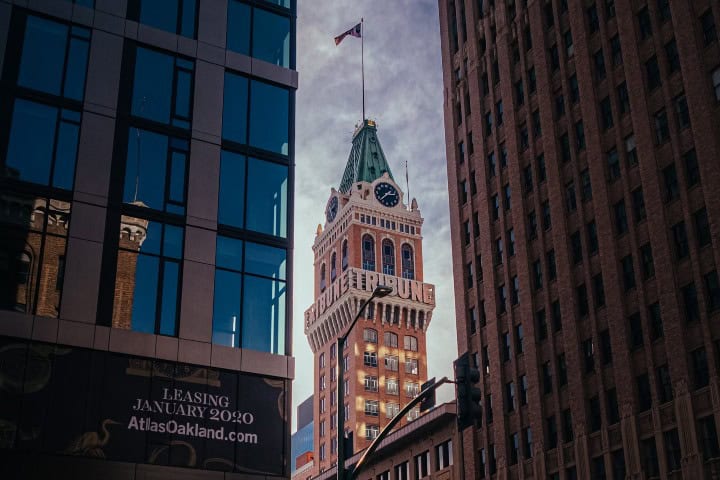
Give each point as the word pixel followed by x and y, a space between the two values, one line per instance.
pixel 332 208
pixel 387 194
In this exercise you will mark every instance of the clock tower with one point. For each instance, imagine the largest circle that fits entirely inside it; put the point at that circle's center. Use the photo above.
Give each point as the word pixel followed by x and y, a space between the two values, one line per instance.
pixel 372 236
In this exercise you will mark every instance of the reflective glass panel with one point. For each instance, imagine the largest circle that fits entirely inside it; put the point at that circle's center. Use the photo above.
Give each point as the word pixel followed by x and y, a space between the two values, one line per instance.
pixel 152 87
pixel 231 206
pixel 226 308
pixel 145 168
pixel 281 3
pixel 267 197
pixel 235 104
pixel 229 253
pixel 43 55
pixel 32 136
pixel 176 16
pixel 269 117
pixel 76 68
pixel 238 27
pixel 265 260
pixel 271 37
pixel 37 137
pixel 149 156
pixel 32 253
pixel 144 300
pixel 147 279
pixel 263 326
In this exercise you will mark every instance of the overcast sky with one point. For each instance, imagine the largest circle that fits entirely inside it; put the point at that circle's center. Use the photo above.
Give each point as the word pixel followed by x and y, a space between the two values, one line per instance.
pixel 403 89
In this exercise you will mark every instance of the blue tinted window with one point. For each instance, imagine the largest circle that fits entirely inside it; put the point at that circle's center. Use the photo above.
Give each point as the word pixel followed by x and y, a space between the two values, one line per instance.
pixel 176 16
pixel 267 197
pixel 77 63
pixel 226 308
pixel 269 117
pixel 144 299
pixel 147 284
pixel 265 260
pixel 170 287
pixel 162 88
pixel 238 27
pixel 249 311
pixel 263 321
pixel 271 37
pixel 235 104
pixel 232 189
pixel 54 58
pixel 150 156
pixel 43 144
pixel 229 253
pixel 281 3
pixel 173 241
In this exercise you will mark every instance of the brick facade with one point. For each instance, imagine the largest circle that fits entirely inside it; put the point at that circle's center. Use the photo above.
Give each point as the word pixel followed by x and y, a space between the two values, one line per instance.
pixel 615 138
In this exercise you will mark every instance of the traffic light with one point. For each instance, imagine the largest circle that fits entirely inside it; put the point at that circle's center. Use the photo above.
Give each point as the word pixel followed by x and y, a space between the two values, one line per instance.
pixel 468 394
pixel 428 400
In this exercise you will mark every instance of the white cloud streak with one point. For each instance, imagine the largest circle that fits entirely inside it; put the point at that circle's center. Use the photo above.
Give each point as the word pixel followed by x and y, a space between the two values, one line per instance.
pixel 403 81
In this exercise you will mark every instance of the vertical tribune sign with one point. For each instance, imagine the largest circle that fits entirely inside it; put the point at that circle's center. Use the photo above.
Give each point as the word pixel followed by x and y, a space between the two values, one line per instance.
pixel 83 402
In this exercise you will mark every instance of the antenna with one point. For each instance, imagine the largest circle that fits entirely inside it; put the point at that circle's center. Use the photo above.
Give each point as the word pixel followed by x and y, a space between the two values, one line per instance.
pixel 137 153
pixel 407 184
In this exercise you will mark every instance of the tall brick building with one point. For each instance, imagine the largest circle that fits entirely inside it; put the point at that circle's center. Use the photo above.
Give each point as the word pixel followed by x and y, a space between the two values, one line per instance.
pixel 372 236
pixel 583 140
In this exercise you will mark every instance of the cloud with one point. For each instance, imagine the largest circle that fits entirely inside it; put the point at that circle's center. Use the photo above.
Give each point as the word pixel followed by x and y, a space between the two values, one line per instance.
pixel 404 94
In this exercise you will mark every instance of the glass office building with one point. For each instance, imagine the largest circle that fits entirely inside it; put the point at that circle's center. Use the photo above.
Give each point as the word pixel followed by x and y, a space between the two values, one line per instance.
pixel 146 179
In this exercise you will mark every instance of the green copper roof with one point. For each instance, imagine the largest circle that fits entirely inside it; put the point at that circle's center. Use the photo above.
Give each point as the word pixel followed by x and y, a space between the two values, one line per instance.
pixel 366 162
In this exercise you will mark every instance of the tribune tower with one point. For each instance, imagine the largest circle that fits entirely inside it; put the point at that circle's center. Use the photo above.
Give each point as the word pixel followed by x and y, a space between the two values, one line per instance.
pixel 371 237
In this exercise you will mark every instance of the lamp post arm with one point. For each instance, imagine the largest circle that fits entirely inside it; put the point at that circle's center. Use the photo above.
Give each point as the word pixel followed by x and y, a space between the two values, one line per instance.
pixel 341 389
pixel 388 428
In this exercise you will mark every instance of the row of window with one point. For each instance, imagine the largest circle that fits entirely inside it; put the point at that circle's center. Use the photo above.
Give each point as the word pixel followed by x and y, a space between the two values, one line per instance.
pixel 370 335
pixel 153 148
pixel 262 33
pixel 368 259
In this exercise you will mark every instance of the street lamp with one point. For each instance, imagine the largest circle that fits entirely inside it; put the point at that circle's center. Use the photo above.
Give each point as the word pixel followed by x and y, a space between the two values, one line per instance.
pixel 379 292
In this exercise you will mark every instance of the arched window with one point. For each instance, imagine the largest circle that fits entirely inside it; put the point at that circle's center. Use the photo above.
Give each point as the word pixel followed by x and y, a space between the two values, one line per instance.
pixel 368 253
pixel 391 339
pixel 388 256
pixel 408 262
pixel 333 268
pixel 344 255
pixel 410 343
pixel 322 278
pixel 370 335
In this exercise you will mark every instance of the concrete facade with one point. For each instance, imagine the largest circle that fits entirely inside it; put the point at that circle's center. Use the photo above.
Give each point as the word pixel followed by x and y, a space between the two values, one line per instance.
pixel 608 113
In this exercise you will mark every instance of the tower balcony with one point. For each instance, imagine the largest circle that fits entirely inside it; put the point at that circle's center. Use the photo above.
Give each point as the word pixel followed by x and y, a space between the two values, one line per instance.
pixel 410 305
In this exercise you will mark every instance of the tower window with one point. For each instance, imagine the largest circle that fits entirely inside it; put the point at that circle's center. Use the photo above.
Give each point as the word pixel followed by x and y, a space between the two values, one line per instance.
pixel 388 255
pixel 408 264
pixel 368 253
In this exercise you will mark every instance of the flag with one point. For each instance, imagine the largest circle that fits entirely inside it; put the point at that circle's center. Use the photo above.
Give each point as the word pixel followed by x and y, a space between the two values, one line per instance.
pixel 356 31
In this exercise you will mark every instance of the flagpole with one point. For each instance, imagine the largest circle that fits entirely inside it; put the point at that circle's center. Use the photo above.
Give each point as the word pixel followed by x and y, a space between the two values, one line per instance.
pixel 362 63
